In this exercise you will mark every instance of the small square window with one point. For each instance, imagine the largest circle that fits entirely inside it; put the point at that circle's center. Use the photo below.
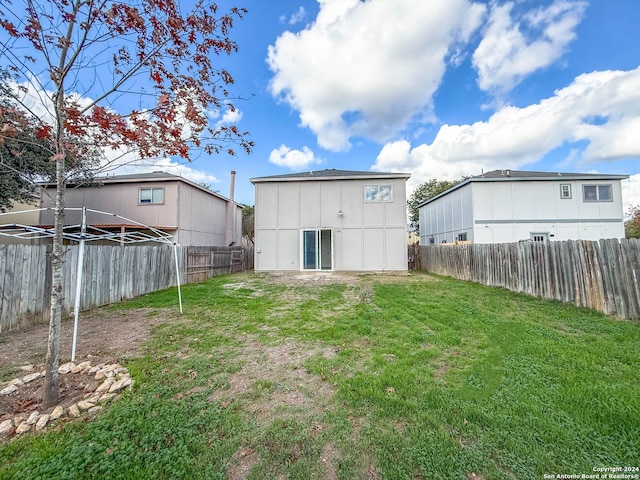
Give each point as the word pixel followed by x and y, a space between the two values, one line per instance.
pixel 152 195
pixel 378 193
pixel 565 190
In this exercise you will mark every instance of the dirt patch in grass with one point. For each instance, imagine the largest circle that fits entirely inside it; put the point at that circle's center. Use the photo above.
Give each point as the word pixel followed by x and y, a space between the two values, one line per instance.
pixel 241 463
pixel 102 337
pixel 313 278
pixel 273 382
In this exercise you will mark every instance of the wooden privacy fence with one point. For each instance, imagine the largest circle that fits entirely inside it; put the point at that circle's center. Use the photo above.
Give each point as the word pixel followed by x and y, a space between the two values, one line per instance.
pixel 110 274
pixel 602 275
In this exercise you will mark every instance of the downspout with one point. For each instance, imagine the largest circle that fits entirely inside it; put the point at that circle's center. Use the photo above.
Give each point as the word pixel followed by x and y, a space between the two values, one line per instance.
pixel 231 212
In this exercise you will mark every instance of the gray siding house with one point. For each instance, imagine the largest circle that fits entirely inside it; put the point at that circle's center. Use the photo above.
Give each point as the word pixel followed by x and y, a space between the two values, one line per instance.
pixel 335 220
pixel 195 215
pixel 504 206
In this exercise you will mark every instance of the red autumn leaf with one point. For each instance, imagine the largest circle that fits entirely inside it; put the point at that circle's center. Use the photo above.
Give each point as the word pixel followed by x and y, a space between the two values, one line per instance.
pixel 10 28
pixel 43 131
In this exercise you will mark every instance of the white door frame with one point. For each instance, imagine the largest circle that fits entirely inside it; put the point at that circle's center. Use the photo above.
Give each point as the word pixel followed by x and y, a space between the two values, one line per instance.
pixel 318 249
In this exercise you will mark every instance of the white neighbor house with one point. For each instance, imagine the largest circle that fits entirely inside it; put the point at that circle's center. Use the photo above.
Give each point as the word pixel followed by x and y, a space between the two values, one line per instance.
pixel 331 220
pixel 509 205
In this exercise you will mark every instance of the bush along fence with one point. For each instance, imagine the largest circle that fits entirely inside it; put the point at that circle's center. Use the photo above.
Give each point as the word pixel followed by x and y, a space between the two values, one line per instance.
pixel 602 275
pixel 110 274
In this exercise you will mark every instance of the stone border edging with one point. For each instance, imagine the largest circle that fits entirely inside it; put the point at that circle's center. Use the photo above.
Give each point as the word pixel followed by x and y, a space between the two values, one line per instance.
pixel 112 378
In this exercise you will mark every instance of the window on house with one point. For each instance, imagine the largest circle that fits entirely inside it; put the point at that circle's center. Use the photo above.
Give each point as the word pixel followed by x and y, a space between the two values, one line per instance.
pixel 462 237
pixel 539 236
pixel 378 193
pixel 565 190
pixel 597 193
pixel 152 195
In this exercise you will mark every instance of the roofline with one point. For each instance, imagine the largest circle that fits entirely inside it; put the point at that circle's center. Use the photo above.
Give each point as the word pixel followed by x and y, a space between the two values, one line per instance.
pixel 561 177
pixel 167 177
pixel 305 177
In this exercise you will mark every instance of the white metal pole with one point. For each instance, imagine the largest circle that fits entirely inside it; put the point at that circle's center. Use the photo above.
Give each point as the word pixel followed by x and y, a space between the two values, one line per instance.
pixel 76 307
pixel 175 255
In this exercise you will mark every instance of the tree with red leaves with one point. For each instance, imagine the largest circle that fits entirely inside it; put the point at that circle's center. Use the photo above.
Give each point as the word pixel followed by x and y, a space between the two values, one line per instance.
pixel 632 226
pixel 88 61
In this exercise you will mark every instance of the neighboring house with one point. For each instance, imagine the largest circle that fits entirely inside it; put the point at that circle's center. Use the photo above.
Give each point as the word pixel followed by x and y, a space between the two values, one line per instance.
pixel 194 214
pixel 331 220
pixel 509 206
pixel 22 213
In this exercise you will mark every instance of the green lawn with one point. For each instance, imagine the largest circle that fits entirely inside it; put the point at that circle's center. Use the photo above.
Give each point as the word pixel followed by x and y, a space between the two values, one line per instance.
pixel 394 377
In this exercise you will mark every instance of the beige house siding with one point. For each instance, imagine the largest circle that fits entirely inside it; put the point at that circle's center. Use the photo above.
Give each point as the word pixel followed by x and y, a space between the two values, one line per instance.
pixel 365 236
pixel 195 215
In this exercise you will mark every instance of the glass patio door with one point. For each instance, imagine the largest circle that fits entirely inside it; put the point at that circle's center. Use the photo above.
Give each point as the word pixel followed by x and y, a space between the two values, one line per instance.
pixel 316 250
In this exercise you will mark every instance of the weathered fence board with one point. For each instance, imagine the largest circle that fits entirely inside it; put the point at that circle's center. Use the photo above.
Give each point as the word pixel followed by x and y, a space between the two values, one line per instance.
pixel 110 274
pixel 602 275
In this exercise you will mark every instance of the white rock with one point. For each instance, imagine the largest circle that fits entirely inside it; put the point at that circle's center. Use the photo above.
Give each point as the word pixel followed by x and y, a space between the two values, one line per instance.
pixel 6 428
pixel 17 382
pixel 100 375
pixel 22 428
pixel 33 418
pixel 92 397
pixel 120 384
pixel 84 365
pixel 95 409
pixel 31 377
pixel 66 368
pixel 18 419
pixel 42 422
pixel 106 397
pixel 84 405
pixel 27 368
pixel 74 411
pixel 56 413
pixel 104 386
pixel 9 390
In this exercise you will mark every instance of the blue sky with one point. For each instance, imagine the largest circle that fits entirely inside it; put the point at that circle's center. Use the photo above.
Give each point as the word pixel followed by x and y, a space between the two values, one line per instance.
pixel 439 89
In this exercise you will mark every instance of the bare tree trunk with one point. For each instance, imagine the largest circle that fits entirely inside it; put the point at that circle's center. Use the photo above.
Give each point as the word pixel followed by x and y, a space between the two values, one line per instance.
pixel 51 381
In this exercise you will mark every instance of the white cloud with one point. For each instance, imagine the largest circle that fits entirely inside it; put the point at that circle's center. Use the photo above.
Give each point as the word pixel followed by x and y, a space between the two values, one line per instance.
pixel 293 159
pixel 297 17
pixel 601 108
pixel 230 117
pixel 514 48
pixel 368 68
pixel 631 192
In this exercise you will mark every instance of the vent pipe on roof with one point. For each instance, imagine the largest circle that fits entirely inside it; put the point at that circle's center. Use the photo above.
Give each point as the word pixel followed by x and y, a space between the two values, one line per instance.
pixel 232 185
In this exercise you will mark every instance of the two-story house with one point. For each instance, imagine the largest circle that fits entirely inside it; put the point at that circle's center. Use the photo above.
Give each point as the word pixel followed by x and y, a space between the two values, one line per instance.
pixel 331 220
pixel 509 206
pixel 190 212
